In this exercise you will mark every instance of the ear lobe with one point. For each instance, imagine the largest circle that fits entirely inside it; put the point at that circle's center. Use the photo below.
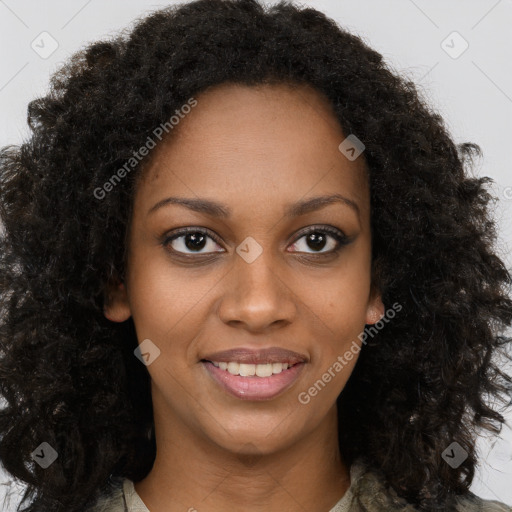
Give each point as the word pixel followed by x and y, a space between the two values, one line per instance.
pixel 375 310
pixel 117 307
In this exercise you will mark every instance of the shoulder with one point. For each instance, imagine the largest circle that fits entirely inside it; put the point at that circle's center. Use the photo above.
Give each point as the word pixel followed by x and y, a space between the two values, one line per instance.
pixel 111 497
pixel 370 494
pixel 473 502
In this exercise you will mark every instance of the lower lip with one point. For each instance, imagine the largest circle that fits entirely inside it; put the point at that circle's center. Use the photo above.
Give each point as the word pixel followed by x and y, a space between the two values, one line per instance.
pixel 255 388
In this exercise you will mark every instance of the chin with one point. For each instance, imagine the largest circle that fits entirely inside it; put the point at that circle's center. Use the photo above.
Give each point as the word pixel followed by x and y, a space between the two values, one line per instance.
pixel 258 440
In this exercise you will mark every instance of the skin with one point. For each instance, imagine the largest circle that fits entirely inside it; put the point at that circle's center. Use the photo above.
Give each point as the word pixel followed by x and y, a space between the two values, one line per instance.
pixel 255 149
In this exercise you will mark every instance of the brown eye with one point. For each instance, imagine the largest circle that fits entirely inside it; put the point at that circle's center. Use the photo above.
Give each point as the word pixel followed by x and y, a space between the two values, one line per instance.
pixel 318 238
pixel 192 241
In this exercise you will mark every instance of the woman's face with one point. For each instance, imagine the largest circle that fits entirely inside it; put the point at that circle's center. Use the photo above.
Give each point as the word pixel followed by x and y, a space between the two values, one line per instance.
pixel 249 278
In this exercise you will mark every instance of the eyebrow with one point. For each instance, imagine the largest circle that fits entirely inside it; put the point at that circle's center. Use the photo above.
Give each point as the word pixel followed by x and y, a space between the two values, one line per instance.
pixel 215 209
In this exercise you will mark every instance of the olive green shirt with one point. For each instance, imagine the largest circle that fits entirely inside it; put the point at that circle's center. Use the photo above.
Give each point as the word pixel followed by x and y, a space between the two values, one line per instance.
pixel 367 493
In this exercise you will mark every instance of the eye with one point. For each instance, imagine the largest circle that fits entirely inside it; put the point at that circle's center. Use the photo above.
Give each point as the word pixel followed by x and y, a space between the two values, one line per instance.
pixel 193 240
pixel 317 238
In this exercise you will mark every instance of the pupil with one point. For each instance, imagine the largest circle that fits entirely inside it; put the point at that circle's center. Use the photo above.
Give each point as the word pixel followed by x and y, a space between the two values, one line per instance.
pixel 195 241
pixel 317 240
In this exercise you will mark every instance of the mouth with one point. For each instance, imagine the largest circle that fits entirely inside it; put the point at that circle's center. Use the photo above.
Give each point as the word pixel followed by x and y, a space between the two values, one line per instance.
pixel 251 370
pixel 247 381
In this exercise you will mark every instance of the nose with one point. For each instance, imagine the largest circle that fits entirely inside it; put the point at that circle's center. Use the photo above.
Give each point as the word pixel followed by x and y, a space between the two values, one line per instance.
pixel 256 296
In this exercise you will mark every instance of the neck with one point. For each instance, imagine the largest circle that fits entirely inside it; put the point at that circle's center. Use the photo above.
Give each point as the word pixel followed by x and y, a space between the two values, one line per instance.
pixel 191 472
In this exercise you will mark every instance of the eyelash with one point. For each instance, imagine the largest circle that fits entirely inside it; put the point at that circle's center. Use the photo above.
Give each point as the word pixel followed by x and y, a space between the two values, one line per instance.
pixel 341 240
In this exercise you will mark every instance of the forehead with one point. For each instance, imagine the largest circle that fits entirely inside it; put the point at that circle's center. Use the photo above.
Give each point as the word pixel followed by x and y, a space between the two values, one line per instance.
pixel 274 143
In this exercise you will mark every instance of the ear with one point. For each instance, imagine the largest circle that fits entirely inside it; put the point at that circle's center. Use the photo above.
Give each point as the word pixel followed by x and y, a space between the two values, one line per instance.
pixel 375 309
pixel 116 306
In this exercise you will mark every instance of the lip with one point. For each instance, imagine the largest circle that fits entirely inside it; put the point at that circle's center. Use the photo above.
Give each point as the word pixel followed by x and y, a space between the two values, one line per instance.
pixel 260 356
pixel 254 388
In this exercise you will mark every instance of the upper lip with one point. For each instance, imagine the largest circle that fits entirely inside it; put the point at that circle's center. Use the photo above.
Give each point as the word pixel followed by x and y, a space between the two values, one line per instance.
pixel 259 356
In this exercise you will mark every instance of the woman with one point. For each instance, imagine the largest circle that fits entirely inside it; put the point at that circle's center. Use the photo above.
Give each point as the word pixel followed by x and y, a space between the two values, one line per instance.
pixel 245 269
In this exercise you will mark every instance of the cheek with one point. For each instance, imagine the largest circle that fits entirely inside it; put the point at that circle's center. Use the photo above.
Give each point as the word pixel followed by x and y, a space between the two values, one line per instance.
pixel 340 306
pixel 170 305
pixel 341 300
pixel 161 298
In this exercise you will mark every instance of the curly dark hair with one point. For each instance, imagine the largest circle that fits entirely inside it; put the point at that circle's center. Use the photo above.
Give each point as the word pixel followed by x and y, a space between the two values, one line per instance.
pixel 69 376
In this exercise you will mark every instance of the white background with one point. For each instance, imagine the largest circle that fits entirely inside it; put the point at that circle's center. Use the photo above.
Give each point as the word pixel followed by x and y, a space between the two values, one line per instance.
pixel 473 92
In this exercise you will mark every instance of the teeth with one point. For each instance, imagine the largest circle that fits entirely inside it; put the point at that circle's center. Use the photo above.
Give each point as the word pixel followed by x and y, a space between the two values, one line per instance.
pixel 264 370
pixel 277 367
pixel 249 370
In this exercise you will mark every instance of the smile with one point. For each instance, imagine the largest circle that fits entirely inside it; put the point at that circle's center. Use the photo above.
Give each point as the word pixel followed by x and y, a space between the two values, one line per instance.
pixel 250 370
pixel 253 381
